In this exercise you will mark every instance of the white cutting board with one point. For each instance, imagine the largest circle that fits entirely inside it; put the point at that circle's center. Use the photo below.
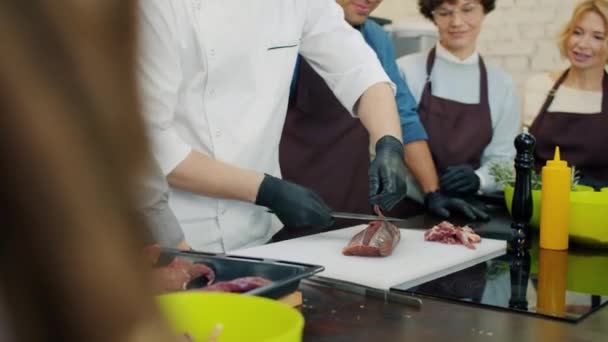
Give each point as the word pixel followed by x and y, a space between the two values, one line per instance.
pixel 412 263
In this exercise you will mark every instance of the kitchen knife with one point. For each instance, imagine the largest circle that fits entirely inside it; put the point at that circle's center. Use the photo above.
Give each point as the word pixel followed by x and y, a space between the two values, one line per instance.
pixel 364 217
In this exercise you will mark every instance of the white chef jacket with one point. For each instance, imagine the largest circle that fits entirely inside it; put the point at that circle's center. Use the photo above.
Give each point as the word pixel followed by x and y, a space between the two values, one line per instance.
pixel 214 77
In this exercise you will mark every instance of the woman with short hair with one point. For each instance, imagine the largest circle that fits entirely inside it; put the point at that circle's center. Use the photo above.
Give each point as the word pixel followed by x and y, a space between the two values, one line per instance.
pixel 470 111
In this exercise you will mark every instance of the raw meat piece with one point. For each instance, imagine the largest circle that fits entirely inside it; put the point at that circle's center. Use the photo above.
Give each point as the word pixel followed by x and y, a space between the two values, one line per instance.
pixel 167 279
pixel 238 285
pixel 152 253
pixel 177 275
pixel 447 233
pixel 195 270
pixel 379 239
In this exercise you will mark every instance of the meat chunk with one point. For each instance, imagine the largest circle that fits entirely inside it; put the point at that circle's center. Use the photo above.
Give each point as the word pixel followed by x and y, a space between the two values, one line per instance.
pixel 379 239
pixel 238 285
pixel 168 279
pixel 195 270
pixel 177 275
pixel 152 253
pixel 447 233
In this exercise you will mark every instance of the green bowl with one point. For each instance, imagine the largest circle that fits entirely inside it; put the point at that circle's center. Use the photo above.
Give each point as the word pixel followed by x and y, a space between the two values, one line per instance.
pixel 584 271
pixel 588 214
pixel 242 317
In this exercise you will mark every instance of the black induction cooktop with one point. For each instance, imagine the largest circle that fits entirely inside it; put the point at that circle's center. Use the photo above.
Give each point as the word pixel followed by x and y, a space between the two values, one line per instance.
pixel 563 285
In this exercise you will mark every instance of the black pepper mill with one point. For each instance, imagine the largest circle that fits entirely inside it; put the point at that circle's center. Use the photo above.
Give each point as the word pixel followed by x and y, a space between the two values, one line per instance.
pixel 521 207
pixel 520 275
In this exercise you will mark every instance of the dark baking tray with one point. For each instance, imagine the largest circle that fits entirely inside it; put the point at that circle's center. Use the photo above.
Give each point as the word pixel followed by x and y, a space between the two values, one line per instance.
pixel 285 275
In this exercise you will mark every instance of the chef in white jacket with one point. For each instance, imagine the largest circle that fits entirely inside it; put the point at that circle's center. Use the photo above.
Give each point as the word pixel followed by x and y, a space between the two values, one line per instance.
pixel 214 78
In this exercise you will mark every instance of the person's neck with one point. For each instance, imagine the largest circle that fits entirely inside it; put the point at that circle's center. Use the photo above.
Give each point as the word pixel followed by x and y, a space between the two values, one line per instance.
pixel 462 53
pixel 585 79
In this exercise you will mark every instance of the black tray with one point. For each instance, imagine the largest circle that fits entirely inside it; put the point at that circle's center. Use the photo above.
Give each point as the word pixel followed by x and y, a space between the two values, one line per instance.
pixel 285 275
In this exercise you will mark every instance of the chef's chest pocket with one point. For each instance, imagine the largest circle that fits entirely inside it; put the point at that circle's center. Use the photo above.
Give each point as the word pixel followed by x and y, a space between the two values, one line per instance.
pixel 279 60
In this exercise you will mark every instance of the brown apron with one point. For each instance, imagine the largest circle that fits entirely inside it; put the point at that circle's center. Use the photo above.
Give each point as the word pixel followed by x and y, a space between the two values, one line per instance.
pixel 458 132
pixel 324 148
pixel 581 137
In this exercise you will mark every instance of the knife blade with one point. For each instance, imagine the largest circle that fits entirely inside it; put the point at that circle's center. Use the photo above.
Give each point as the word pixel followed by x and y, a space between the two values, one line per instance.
pixel 364 217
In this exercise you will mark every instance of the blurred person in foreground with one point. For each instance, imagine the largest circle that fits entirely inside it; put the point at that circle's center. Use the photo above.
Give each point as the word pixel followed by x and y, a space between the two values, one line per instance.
pixel 73 150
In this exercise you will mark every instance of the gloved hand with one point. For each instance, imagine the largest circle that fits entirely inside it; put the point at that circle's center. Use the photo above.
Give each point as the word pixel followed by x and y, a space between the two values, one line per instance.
pixel 294 205
pixel 459 180
pixel 442 205
pixel 387 179
pixel 596 184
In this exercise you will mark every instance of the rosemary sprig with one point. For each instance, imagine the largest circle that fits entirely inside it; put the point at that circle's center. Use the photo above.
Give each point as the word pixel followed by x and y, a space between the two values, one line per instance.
pixel 504 174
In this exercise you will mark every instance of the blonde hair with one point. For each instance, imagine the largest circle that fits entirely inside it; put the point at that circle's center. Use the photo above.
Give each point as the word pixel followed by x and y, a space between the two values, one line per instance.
pixel 597 6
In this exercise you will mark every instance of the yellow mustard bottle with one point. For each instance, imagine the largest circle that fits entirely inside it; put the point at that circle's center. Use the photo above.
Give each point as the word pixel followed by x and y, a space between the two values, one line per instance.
pixel 555 204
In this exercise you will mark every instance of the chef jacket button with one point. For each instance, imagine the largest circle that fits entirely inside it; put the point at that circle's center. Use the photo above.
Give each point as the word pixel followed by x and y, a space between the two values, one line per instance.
pixel 218 133
pixel 211 92
pixel 212 52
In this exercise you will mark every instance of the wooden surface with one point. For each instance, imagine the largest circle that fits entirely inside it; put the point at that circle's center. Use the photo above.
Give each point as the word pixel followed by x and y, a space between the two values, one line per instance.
pixel 413 262
pixel 293 299
pixel 333 315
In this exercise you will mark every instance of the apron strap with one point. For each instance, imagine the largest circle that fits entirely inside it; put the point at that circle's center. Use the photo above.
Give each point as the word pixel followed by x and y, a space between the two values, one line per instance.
pixel 483 77
pixel 430 63
pixel 483 85
pixel 605 94
pixel 551 95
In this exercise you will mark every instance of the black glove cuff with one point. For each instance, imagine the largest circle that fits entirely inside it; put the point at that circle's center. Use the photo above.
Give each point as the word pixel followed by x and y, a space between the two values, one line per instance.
pixel 429 197
pixel 391 144
pixel 267 191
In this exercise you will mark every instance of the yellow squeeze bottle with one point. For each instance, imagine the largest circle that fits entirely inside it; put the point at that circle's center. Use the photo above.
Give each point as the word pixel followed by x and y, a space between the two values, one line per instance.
pixel 555 204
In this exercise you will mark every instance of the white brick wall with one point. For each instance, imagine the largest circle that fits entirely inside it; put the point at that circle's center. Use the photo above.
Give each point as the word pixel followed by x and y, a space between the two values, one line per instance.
pixel 519 35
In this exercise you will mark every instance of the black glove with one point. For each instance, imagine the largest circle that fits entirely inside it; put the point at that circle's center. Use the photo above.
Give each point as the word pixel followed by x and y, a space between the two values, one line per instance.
pixel 294 205
pixel 459 180
pixel 442 205
pixel 387 185
pixel 596 184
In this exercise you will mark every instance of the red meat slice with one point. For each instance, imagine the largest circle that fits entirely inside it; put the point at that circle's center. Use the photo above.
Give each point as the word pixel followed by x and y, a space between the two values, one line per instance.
pixel 379 239
pixel 152 254
pixel 177 275
pixel 447 233
pixel 238 285
pixel 167 279
pixel 195 270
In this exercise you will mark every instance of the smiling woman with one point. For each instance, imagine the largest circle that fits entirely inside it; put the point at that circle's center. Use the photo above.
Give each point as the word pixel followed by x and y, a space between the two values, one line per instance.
pixel 470 110
pixel 577 99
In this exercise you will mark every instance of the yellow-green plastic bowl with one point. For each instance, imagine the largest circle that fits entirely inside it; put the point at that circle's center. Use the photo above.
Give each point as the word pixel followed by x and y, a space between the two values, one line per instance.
pixel 586 275
pixel 243 317
pixel 589 218
pixel 588 214
pixel 585 272
pixel 535 220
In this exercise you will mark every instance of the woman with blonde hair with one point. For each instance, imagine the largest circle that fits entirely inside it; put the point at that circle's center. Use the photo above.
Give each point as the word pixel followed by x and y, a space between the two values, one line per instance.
pixel 569 108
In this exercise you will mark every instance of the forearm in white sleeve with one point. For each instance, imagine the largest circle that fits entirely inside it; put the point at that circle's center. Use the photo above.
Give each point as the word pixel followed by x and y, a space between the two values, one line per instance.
pixel 339 54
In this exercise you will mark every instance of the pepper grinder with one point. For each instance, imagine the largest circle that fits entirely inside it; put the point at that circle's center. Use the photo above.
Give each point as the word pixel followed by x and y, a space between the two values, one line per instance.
pixel 521 207
pixel 520 275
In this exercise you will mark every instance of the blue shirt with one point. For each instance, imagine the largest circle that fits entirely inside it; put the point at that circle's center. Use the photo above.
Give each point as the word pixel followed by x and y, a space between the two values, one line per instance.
pixel 381 43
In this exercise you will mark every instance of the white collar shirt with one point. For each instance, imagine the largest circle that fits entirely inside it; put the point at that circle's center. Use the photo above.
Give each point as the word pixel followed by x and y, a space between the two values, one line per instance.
pixel 214 77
